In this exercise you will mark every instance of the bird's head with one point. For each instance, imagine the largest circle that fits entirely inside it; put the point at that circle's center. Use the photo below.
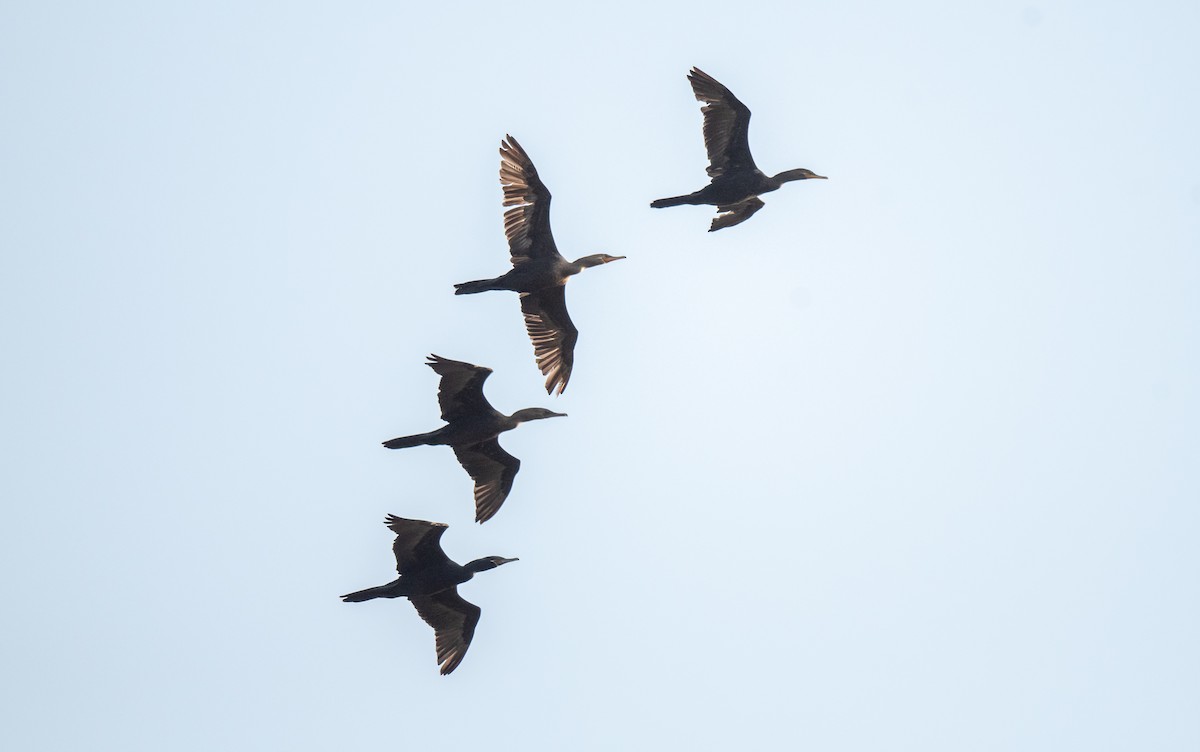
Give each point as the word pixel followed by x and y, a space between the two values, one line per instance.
pixel 597 259
pixel 535 413
pixel 488 562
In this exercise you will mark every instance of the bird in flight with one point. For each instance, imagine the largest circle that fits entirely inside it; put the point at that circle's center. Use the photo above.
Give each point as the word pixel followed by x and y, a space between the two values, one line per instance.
pixel 539 272
pixel 472 426
pixel 430 580
pixel 735 182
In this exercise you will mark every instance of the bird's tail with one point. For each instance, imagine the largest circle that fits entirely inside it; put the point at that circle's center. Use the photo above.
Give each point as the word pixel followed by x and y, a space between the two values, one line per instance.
pixel 402 442
pixel 662 203
pixel 365 595
pixel 478 285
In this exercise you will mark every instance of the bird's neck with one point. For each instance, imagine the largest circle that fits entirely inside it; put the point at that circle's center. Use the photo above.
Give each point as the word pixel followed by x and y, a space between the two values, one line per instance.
pixel 788 176
pixel 587 261
pixel 522 416
pixel 479 565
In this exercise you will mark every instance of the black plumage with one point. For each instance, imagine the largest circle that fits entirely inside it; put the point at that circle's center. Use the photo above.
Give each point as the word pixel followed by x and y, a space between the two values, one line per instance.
pixel 539 272
pixel 472 426
pixel 735 181
pixel 430 580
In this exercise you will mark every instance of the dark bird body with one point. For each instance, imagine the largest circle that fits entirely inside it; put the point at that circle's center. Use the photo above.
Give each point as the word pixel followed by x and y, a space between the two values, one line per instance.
pixel 735 181
pixel 539 272
pixel 430 580
pixel 472 426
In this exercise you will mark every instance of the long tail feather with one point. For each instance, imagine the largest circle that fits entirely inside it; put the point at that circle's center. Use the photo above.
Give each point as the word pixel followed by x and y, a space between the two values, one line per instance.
pixel 673 201
pixel 403 442
pixel 478 285
pixel 364 595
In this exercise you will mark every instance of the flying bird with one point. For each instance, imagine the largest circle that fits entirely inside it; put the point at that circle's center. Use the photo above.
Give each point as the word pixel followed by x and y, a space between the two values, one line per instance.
pixel 735 182
pixel 472 426
pixel 539 272
pixel 430 580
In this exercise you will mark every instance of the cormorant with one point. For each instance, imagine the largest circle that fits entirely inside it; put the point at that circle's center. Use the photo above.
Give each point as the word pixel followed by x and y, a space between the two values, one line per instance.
pixel 472 426
pixel 735 181
pixel 539 272
pixel 429 579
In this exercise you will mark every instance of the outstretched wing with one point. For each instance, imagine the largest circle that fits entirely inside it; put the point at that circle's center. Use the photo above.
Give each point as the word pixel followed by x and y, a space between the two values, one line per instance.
pixel 460 393
pixel 735 214
pixel 453 620
pixel 726 123
pixel 527 223
pixel 418 543
pixel 553 334
pixel 493 471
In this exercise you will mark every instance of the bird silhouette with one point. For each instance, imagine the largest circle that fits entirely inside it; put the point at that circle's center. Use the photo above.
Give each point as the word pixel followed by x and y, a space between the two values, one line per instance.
pixel 735 181
pixel 539 272
pixel 430 580
pixel 472 426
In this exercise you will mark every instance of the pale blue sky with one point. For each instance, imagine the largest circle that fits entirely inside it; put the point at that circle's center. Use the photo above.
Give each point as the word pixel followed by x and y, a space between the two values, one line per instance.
pixel 906 462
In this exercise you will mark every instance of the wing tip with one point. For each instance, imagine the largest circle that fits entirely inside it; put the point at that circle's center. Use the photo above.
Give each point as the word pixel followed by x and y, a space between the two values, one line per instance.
pixel 484 510
pixel 512 151
pixel 556 378
pixel 450 664
pixel 392 519
pixel 434 361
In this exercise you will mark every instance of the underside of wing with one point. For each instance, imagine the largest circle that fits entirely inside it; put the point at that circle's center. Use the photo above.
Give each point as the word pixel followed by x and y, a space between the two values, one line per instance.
pixel 726 125
pixel 460 392
pixel 553 334
pixel 527 221
pixel 733 214
pixel 493 471
pixel 453 620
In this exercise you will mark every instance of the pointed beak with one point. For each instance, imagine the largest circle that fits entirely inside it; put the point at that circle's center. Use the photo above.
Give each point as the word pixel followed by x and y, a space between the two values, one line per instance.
pixel 818 177
pixel 558 415
pixel 507 561
pixel 613 258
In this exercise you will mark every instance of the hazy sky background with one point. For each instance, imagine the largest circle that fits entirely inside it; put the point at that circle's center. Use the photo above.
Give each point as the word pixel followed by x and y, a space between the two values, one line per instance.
pixel 906 462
